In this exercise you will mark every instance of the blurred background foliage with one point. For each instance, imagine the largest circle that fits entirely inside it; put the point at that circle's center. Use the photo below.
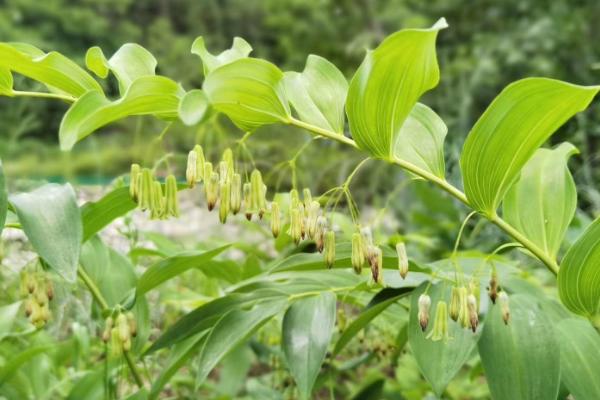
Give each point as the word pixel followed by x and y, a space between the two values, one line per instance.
pixel 488 45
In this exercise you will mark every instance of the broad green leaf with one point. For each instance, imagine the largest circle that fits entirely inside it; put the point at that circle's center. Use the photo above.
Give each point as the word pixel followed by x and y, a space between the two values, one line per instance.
pixel 234 369
pixel 387 86
pixel 318 93
pixel 579 358
pixel 306 332
pixel 52 222
pixel 522 117
pixel 249 91
pixel 97 215
pixel 52 69
pixel 239 49
pixel 178 356
pixel 12 365
pixel 170 267
pixel 131 62
pixel 579 273
pixel 541 204
pixel 438 361
pixel 366 316
pixel 96 62
pixel 8 313
pixel 420 141
pixel 6 82
pixel 149 95
pixel 521 360
pixel 3 198
pixel 233 328
pixel 193 107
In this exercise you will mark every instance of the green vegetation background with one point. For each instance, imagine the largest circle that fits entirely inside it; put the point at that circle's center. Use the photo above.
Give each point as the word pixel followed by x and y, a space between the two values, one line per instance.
pixel 489 44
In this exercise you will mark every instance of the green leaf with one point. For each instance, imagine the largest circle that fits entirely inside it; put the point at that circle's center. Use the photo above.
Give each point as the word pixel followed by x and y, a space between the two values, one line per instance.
pixel 96 62
pixel 579 276
pixel 318 94
pixel 239 49
pixel 149 95
pixel 12 365
pixel 366 316
pixel 387 86
pixel 438 361
pixel 522 117
pixel 131 62
pixel 306 332
pixel 230 330
pixel 8 314
pixel 52 69
pixel 521 360
pixel 541 204
pixel 170 267
pixel 3 198
pixel 193 107
pixel 420 141
pixel 97 215
pixel 6 82
pixel 579 358
pixel 249 91
pixel 52 222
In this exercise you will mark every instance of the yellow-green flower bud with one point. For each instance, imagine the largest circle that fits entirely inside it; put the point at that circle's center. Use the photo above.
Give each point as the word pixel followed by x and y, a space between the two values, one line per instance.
pixel 224 171
pixel 262 205
pixel 200 160
pixel 475 290
pixel 191 170
pixel 145 193
pixel 376 261
pixel 402 259
pixel 440 323
pixel 275 219
pixel 29 305
pixel 208 171
pixel 171 202
pixel 211 186
pixel 247 191
pixel 463 312
pixel 295 225
pixel 294 199
pixel 257 193
pixel 236 193
pixel 320 233
pixel 302 221
pixel 473 312
pixel 225 195
pixel 157 205
pixel 108 325
pixel 504 306
pixel 41 297
pixel 116 346
pixel 454 304
pixel 228 158
pixel 424 304
pixel 132 324
pixel 358 254
pixel 49 290
pixel 329 248
pixel 311 221
pixel 493 288
pixel 123 326
pixel 306 198
pixel 133 181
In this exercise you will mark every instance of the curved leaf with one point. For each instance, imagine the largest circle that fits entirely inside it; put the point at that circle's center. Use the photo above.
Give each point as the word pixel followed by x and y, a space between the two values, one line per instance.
pixel 52 69
pixel 438 361
pixel 230 330
pixel 421 140
pixel 512 128
pixel 579 273
pixel 239 49
pixel 541 204
pixel 52 222
pixel 388 84
pixel 193 107
pixel 521 360
pixel 170 267
pixel 3 198
pixel 249 91
pixel 6 82
pixel 579 358
pixel 318 93
pixel 96 215
pixel 149 95
pixel 131 62
pixel 306 332
pixel 96 62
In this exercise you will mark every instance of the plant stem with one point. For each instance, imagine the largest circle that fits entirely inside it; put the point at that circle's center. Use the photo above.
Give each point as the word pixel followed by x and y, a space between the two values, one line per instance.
pixel 104 306
pixel 44 95
pixel 548 261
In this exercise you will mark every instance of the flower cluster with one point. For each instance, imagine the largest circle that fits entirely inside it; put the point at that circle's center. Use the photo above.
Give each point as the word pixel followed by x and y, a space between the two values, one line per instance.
pixel 38 290
pixel 119 331
pixel 148 193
